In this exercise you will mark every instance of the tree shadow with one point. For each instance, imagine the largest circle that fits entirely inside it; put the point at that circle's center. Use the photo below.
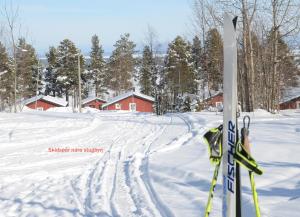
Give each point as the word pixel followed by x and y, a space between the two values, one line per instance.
pixel 280 164
pixel 74 211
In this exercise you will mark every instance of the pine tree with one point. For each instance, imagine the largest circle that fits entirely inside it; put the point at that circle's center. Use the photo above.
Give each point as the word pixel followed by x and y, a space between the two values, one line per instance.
pixel 67 67
pixel 147 72
pixel 27 70
pixel 197 60
pixel 180 77
pixel 214 53
pixel 51 85
pixel 97 71
pixel 6 79
pixel 121 65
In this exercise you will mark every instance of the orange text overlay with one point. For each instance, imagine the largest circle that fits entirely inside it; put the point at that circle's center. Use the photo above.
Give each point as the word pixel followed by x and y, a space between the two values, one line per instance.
pixel 78 150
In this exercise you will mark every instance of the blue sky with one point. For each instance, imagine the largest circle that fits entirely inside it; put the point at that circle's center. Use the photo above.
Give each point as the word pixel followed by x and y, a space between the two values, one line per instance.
pixel 47 22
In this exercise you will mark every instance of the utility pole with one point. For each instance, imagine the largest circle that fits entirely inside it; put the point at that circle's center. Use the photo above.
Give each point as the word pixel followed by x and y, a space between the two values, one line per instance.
pixel 15 77
pixel 37 82
pixel 179 81
pixel 15 73
pixel 2 73
pixel 79 82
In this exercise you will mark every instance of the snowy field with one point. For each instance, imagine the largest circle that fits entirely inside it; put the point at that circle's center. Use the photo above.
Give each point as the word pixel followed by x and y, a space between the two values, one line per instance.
pixel 143 165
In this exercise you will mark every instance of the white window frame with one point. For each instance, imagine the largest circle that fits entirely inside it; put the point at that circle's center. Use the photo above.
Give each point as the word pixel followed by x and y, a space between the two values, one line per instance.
pixel 117 106
pixel 297 104
pixel 130 104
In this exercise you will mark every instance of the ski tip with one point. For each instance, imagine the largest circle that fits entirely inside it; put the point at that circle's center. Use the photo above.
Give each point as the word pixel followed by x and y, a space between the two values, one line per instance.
pixel 228 19
pixel 234 21
pixel 226 16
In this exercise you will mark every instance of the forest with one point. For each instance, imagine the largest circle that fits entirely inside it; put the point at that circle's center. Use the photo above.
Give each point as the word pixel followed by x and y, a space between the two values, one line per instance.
pixel 188 71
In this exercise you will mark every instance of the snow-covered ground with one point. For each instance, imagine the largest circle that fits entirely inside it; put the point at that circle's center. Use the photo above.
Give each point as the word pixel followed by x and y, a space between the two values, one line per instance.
pixel 147 166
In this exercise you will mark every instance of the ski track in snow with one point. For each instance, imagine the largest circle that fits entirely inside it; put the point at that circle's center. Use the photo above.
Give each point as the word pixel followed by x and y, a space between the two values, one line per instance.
pixel 115 184
pixel 151 166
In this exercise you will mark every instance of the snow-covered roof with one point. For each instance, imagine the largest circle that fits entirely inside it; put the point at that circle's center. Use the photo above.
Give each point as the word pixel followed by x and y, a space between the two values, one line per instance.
pixel 214 95
pixel 126 95
pixel 289 98
pixel 89 99
pixel 54 100
pixel 291 93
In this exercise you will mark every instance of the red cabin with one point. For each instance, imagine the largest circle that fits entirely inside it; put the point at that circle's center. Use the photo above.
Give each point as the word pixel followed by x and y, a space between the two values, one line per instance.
pixel 293 103
pixel 43 103
pixel 93 102
pixel 215 100
pixel 130 101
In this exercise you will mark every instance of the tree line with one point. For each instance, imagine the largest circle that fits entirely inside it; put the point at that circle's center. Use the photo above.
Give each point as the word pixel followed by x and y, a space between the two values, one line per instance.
pixel 187 71
pixel 267 32
pixel 165 77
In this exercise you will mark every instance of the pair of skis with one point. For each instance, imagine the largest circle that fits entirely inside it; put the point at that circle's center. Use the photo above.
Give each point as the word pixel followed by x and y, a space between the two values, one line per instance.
pixel 226 149
pixel 214 141
pixel 228 133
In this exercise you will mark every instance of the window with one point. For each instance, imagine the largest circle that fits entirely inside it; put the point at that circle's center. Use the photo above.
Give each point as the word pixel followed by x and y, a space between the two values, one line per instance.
pixel 298 104
pixel 219 104
pixel 132 107
pixel 118 106
pixel 40 108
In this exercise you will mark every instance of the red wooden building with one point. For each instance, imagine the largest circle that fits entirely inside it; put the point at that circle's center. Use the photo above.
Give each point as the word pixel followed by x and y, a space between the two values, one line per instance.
pixel 293 103
pixel 45 102
pixel 130 101
pixel 93 102
pixel 215 100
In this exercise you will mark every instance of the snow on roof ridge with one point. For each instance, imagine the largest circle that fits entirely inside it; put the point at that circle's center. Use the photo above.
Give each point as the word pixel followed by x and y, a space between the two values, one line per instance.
pixel 213 95
pixel 150 98
pixel 86 100
pixel 289 98
pixel 291 93
pixel 127 94
pixel 55 100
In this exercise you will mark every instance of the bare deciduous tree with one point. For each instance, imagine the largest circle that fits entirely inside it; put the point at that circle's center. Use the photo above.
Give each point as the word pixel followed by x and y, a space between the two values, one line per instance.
pixel 263 26
pixel 285 22
pixel 11 15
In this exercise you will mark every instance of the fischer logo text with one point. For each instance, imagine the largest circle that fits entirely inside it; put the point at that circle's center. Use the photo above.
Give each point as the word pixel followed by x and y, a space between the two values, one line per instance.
pixel 230 158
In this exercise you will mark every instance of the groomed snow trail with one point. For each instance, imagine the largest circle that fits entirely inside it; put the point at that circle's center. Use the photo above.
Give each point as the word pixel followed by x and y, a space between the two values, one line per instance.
pixel 113 183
